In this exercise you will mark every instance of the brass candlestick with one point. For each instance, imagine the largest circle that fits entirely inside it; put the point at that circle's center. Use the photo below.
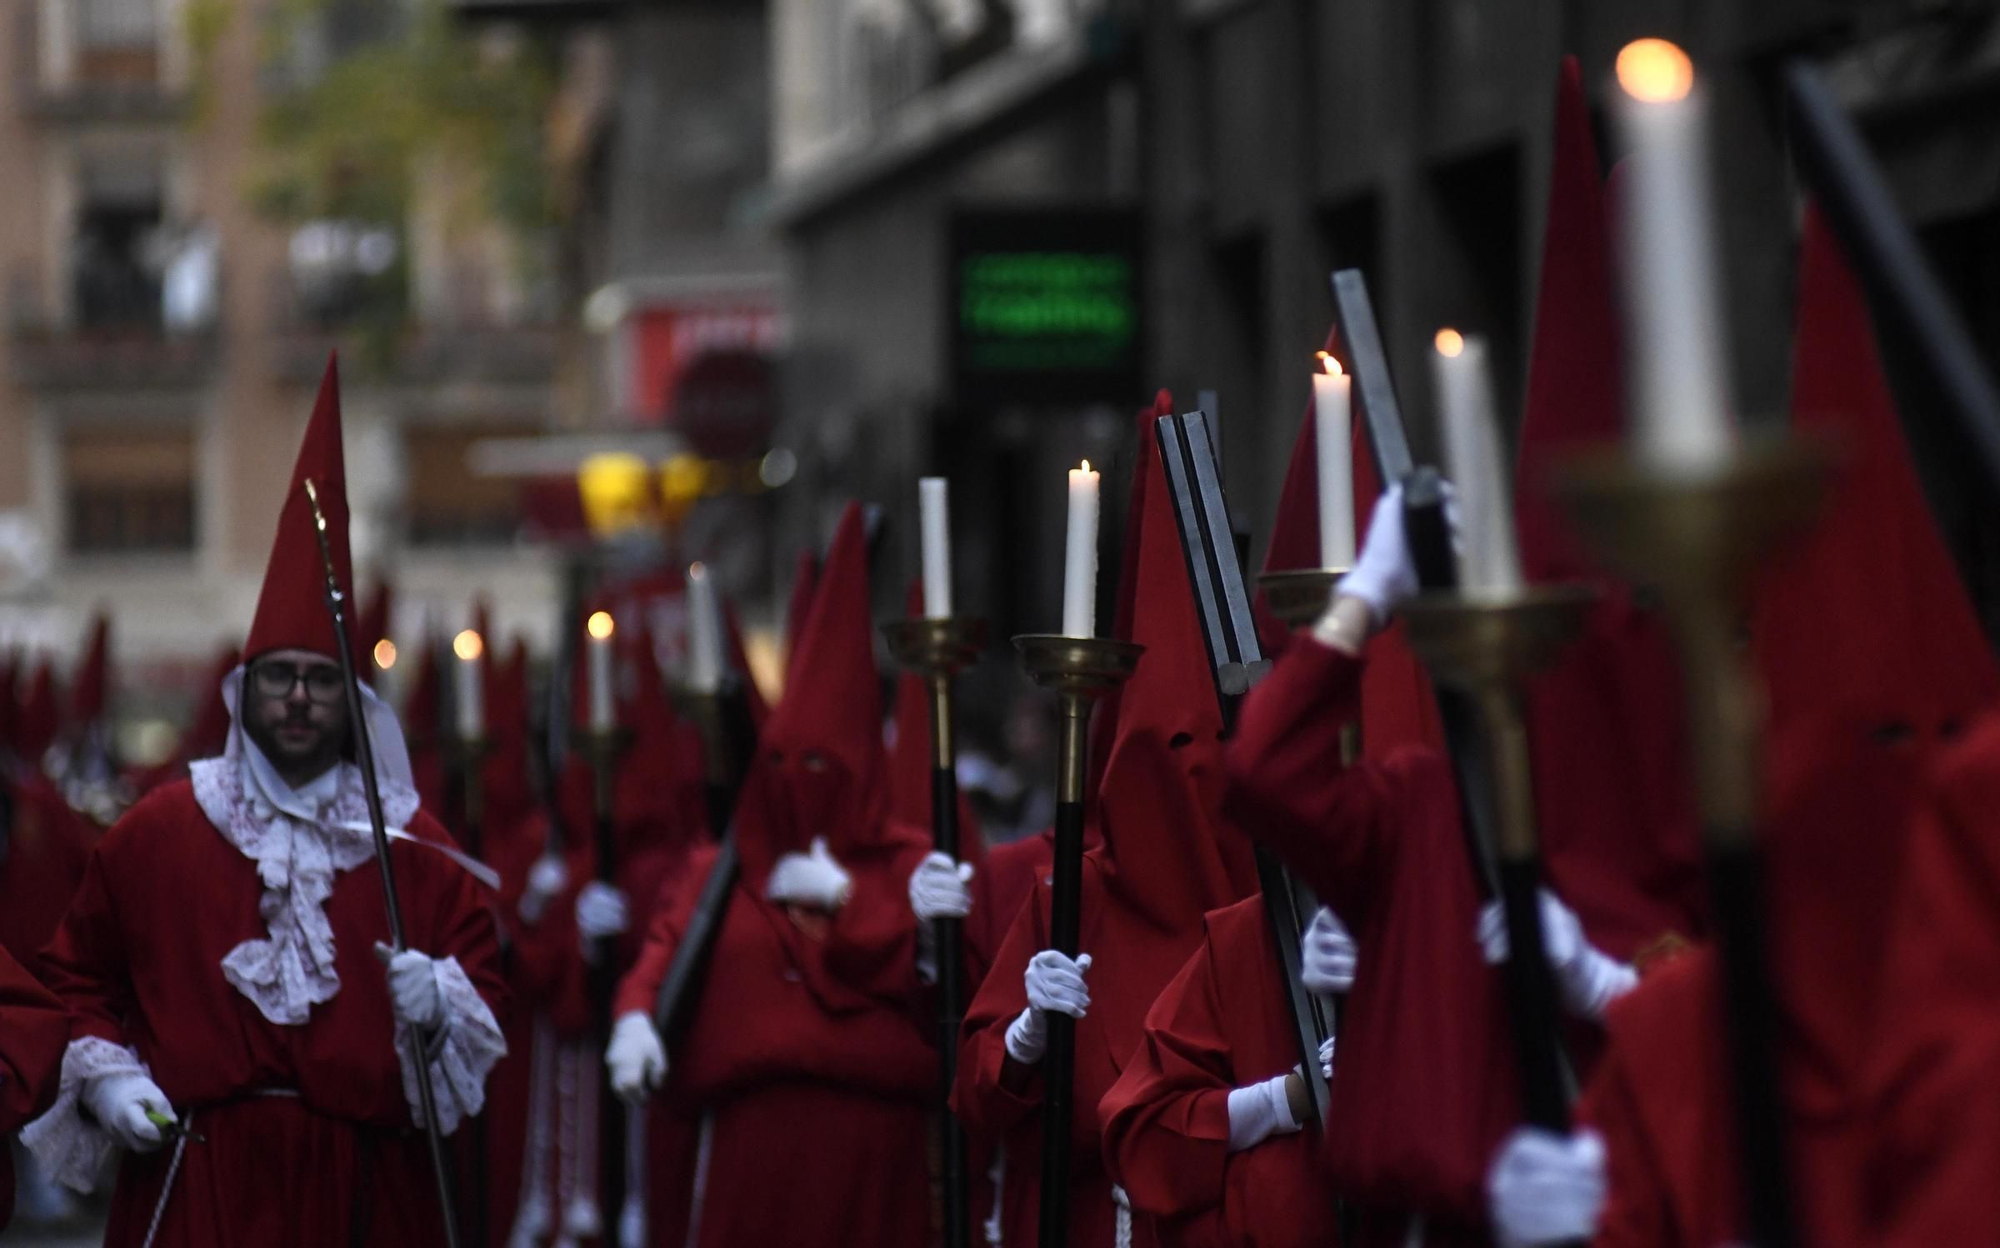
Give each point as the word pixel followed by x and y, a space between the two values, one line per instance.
pixel 1698 537
pixel 1080 670
pixel 1488 647
pixel 1299 596
pixel 938 649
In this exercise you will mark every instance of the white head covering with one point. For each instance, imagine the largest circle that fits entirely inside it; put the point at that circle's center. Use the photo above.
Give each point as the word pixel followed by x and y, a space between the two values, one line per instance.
pixel 300 840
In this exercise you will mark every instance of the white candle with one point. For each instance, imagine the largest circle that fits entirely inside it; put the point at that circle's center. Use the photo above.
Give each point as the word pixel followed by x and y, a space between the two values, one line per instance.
pixel 933 497
pixel 1080 557
pixel 1489 563
pixel 1676 346
pixel 704 632
pixel 470 648
pixel 1332 412
pixel 603 703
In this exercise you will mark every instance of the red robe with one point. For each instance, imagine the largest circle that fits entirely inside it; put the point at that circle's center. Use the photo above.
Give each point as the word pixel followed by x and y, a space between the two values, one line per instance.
pixel 1000 1099
pixel 34 1028
pixel 138 966
pixel 43 848
pixel 803 1060
pixel 1425 1087
pixel 1223 1023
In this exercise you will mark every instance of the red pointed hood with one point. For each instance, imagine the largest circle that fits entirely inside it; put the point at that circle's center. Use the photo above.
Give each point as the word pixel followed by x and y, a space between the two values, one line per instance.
pixel 90 691
pixel 38 721
pixel 1868 619
pixel 373 624
pixel 1574 395
pixel 1863 627
pixel 1104 721
pixel 1607 729
pixel 805 575
pixel 1169 853
pixel 291 610
pixel 820 769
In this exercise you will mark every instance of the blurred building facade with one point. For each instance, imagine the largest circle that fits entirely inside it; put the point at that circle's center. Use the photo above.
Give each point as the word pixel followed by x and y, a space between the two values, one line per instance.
pixel 163 343
pixel 1208 162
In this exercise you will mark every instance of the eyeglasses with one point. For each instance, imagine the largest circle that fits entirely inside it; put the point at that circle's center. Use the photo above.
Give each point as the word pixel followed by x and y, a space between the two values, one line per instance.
pixel 276 680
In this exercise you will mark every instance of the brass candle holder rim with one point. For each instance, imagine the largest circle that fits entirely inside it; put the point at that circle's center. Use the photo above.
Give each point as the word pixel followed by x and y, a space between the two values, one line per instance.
pixel 1089 666
pixel 1476 639
pixel 933 645
pixel 1298 596
pixel 1759 458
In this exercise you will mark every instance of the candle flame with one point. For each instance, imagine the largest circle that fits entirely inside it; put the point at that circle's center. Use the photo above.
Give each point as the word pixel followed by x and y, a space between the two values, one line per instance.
pixel 600 625
pixel 1086 466
pixel 1450 342
pixel 468 645
pixel 1327 362
pixel 1654 71
pixel 385 654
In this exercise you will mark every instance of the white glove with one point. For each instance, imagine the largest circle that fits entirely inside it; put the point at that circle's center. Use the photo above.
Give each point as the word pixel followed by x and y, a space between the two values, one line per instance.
pixel 601 911
pixel 1546 1189
pixel 1384 576
pixel 546 878
pixel 1258 1112
pixel 1327 955
pixel 637 1059
pixel 1589 980
pixel 119 1103
pixel 1054 982
pixel 938 888
pixel 810 879
pixel 413 987
pixel 1326 1047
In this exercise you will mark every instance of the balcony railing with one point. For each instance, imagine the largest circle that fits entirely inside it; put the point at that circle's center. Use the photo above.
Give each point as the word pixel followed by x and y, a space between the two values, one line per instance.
pixel 405 352
pixel 104 352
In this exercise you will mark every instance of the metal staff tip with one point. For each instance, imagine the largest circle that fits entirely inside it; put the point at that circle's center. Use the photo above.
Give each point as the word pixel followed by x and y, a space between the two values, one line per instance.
pixel 312 497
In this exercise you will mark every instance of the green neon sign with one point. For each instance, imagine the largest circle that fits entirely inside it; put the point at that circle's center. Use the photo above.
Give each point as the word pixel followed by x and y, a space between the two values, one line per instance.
pixel 1046 311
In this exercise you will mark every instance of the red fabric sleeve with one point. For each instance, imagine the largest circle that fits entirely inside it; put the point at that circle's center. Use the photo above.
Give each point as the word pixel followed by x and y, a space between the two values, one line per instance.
pixel 1636 1211
pixel 994 1093
pixel 85 963
pixel 1166 1120
pixel 672 906
pixel 34 1031
pixel 1288 789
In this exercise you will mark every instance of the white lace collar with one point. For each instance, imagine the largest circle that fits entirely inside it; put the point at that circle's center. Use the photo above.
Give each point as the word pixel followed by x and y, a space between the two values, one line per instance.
pixel 300 840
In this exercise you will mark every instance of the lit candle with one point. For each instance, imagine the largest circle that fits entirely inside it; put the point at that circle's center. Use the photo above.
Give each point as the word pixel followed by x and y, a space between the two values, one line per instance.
pixel 603 706
pixel 1676 347
pixel 470 648
pixel 704 632
pixel 1331 414
pixel 1080 558
pixel 933 497
pixel 1488 562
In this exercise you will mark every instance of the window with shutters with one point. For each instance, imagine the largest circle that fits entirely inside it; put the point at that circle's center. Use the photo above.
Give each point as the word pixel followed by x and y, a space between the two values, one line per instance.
pixel 130 491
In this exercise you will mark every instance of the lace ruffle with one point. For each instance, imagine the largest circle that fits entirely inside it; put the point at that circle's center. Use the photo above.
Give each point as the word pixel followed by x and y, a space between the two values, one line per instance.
pixel 462 1053
pixel 292 970
pixel 71 1148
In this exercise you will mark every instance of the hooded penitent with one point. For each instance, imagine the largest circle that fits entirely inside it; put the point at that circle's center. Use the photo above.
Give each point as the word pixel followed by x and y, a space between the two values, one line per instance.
pixel 1612 779
pixel 1398 707
pixel 805 578
pixel 821 770
pixel 1868 651
pixel 37 719
pixel 90 691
